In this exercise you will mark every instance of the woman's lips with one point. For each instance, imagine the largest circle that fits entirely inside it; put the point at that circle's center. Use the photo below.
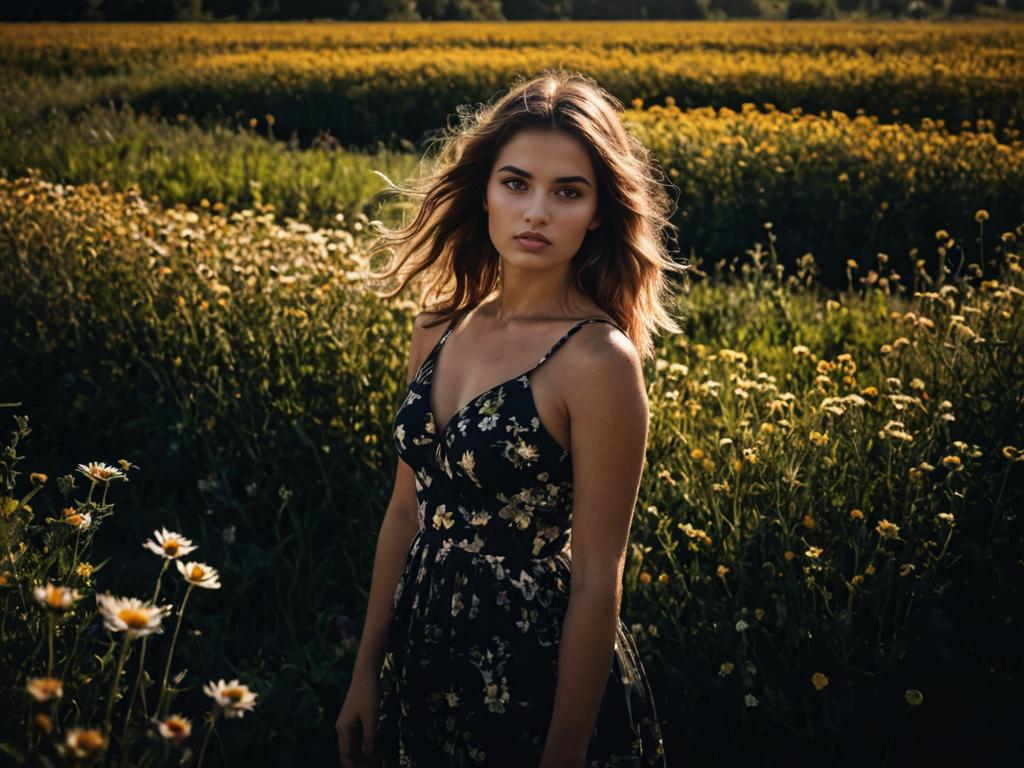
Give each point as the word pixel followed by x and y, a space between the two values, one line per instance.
pixel 531 245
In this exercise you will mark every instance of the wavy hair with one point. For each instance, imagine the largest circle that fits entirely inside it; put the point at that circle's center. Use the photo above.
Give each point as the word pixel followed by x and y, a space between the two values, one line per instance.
pixel 622 265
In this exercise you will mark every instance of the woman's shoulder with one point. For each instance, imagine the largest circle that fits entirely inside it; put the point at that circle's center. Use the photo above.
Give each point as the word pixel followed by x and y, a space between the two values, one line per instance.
pixel 603 350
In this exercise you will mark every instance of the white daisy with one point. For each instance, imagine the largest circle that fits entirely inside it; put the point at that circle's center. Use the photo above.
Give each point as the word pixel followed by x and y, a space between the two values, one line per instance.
pixel 233 697
pixel 169 545
pixel 56 598
pixel 82 743
pixel 131 615
pixel 98 472
pixel 199 574
pixel 175 728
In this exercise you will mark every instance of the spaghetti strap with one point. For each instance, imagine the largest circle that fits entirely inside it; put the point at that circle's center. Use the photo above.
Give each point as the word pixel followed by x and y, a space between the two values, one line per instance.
pixel 444 336
pixel 565 337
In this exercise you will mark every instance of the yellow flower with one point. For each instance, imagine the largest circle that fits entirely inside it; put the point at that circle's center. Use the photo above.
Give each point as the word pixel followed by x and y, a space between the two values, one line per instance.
pixel 42 723
pixel 856 514
pixel 870 569
pixel 857 580
pixel 44 688
pixel 819 680
pixel 37 478
pixel 645 577
pixel 819 438
pixel 914 697
pixel 663 578
pixel 870 391
pixel 788 555
pixel 696 454
pixel 1012 453
pixel 953 462
pixel 84 570
pixel 887 530
pixel 906 568
pixel 981 215
pixel 721 571
pixel 814 552
pixel 808 521
pixel 736 464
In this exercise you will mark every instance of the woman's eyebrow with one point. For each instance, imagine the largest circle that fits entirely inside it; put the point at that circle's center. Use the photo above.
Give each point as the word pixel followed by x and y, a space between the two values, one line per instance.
pixel 559 180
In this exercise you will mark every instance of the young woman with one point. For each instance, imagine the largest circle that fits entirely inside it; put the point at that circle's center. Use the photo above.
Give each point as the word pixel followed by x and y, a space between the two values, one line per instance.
pixel 488 639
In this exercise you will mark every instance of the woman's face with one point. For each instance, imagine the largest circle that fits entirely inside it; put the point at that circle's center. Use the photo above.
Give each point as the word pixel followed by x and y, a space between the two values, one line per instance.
pixel 542 181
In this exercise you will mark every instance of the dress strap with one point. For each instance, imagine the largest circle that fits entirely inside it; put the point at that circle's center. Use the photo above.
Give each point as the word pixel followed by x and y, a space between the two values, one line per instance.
pixel 565 337
pixel 444 336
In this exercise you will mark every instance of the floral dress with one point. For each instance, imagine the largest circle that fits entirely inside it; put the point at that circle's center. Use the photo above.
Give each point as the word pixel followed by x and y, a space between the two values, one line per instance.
pixel 471 658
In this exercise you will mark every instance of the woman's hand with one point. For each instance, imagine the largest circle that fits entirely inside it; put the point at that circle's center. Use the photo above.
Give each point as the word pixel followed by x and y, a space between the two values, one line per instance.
pixel 357 723
pixel 551 759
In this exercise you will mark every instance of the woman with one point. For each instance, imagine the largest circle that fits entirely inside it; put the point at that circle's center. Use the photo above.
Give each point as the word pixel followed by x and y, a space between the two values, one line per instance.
pixel 544 223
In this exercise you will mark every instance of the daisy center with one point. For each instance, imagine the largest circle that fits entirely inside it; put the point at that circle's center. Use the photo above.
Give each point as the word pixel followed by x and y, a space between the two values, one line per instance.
pixel 135 619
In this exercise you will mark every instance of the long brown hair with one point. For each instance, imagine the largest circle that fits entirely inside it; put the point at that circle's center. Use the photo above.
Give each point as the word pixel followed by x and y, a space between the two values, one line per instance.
pixel 622 264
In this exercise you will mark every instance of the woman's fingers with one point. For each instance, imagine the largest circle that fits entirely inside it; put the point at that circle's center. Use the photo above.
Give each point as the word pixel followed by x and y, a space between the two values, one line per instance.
pixel 348 743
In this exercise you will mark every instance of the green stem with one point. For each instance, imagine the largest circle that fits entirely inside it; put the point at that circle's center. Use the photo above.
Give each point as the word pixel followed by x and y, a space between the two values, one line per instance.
pixel 142 652
pixel 170 651
pixel 49 639
pixel 74 557
pixel 113 687
pixel 995 507
pixel 211 719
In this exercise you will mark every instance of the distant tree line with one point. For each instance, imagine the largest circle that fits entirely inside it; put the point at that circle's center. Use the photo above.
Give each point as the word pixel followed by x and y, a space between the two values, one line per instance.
pixel 458 10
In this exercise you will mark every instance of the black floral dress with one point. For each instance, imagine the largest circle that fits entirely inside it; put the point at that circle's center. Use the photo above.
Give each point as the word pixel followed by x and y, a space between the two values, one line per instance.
pixel 471 659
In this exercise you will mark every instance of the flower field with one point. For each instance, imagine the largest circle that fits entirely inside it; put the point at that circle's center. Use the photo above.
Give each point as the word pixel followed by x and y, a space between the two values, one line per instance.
pixel 825 555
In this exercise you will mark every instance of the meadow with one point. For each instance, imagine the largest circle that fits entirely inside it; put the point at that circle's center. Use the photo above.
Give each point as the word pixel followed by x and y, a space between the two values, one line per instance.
pixel 824 555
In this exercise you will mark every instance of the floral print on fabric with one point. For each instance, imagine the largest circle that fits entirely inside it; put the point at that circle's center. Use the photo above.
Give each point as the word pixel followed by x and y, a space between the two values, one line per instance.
pixel 471 658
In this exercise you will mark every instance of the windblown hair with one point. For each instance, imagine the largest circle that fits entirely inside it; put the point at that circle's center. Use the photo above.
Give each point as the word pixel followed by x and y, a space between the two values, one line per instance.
pixel 622 264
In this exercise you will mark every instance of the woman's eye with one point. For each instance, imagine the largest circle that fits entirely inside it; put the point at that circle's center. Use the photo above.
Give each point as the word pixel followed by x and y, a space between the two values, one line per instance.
pixel 573 196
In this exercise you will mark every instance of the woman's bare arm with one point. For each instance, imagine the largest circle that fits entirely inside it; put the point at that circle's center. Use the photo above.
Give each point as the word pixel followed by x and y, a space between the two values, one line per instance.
pixel 609 438
pixel 401 521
